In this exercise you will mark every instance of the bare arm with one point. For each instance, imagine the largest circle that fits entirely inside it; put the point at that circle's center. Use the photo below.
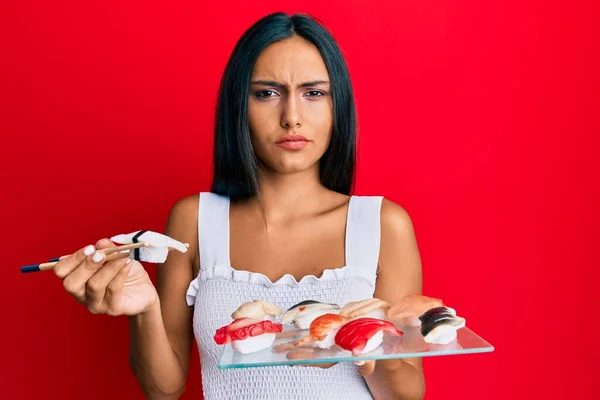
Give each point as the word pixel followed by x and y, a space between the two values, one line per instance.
pixel 400 275
pixel 161 337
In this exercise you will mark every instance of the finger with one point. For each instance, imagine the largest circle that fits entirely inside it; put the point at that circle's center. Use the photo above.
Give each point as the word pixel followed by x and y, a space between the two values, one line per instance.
pixel 107 246
pixel 114 288
pixel 75 282
pixel 365 368
pixel 67 264
pixel 398 314
pixel 307 355
pixel 324 366
pixel 104 244
pixel 96 287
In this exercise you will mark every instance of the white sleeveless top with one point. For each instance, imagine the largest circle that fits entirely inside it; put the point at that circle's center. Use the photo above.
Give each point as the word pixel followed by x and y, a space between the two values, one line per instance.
pixel 219 290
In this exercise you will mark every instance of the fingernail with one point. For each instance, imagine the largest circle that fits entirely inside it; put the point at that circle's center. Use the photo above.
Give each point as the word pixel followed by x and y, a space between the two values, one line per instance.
pixel 97 257
pixel 128 261
pixel 359 363
pixel 88 250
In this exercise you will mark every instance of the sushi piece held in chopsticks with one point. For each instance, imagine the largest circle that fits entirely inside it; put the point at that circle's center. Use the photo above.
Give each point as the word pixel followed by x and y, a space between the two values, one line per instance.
pixel 303 314
pixel 257 309
pixel 411 307
pixel 364 335
pixel 158 245
pixel 141 245
pixel 372 308
pixel 322 331
pixel 248 335
pixel 439 325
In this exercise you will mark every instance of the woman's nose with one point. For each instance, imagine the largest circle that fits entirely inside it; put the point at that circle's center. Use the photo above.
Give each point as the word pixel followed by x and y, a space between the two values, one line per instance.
pixel 290 117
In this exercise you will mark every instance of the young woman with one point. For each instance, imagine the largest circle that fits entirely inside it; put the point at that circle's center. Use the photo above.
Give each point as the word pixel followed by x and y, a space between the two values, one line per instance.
pixel 280 224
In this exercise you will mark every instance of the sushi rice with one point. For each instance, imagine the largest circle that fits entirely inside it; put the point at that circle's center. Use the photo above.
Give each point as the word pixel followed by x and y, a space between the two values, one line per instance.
pixel 253 344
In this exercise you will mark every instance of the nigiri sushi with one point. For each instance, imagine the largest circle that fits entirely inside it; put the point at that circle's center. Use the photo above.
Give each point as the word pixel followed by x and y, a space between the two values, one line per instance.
pixel 322 331
pixel 408 310
pixel 372 308
pixel 248 335
pixel 304 313
pixel 158 245
pixel 363 335
pixel 257 309
pixel 439 325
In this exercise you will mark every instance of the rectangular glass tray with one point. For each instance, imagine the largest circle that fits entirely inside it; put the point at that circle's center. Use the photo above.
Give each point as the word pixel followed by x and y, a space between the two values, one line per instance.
pixel 409 345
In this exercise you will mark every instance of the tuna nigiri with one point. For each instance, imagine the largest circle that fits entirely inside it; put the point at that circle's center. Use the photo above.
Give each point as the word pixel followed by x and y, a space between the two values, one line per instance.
pixel 248 335
pixel 322 331
pixel 408 310
pixel 304 313
pixel 363 335
pixel 439 325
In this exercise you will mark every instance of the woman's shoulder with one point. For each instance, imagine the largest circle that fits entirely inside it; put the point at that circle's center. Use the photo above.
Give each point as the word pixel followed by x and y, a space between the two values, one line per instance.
pixel 182 221
pixel 186 206
pixel 396 222
pixel 190 204
pixel 394 219
pixel 391 212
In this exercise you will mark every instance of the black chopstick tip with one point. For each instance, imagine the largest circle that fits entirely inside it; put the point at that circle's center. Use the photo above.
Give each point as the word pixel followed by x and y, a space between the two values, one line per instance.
pixel 54 259
pixel 30 268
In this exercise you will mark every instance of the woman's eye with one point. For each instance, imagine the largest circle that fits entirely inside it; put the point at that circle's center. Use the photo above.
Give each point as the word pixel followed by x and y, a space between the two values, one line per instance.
pixel 315 93
pixel 266 94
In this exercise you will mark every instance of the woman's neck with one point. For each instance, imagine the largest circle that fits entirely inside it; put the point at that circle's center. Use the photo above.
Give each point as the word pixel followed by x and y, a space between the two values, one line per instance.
pixel 285 196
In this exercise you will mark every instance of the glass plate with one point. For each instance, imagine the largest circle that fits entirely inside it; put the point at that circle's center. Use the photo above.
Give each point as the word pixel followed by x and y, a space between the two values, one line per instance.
pixel 409 345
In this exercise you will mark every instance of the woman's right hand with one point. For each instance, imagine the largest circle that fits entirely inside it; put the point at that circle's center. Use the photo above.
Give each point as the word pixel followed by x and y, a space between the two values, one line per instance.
pixel 117 287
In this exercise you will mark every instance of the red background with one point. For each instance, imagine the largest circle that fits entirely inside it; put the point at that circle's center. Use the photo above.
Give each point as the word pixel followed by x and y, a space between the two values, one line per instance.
pixel 480 119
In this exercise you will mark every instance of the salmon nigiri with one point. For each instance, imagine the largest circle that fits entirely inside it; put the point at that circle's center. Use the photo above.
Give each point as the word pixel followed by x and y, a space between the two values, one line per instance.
pixel 411 307
pixel 322 331
pixel 363 335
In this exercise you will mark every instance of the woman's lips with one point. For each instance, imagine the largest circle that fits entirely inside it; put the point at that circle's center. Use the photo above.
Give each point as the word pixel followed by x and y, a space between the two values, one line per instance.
pixel 292 142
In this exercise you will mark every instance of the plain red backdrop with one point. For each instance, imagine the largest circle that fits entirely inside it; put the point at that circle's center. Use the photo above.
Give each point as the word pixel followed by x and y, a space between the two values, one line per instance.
pixel 479 118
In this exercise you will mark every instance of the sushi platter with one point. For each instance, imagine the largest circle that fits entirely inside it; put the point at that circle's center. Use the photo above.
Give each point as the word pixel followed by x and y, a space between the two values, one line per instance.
pixel 312 333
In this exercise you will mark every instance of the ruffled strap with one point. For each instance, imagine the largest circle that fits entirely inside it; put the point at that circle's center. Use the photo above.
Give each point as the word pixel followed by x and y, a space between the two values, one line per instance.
pixel 363 232
pixel 224 272
pixel 213 236
pixel 192 292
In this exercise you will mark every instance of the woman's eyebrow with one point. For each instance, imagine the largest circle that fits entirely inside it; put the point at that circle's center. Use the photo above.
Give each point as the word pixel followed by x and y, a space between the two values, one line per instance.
pixel 281 85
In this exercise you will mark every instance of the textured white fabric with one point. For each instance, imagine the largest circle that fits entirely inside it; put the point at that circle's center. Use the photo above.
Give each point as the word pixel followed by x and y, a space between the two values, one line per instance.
pixel 219 289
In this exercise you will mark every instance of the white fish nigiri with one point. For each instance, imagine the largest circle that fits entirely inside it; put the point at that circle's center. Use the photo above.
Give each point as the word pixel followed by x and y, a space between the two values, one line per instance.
pixel 158 245
pixel 368 308
pixel 257 309
pixel 301 315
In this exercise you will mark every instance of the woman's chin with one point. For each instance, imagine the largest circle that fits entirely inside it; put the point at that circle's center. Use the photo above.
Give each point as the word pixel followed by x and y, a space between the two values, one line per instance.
pixel 293 165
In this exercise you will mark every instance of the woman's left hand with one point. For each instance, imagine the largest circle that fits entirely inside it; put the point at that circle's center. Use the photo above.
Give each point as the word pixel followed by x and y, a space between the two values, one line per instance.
pixel 367 367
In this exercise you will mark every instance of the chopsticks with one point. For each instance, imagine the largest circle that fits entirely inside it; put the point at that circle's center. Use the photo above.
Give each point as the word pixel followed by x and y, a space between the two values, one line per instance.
pixel 111 253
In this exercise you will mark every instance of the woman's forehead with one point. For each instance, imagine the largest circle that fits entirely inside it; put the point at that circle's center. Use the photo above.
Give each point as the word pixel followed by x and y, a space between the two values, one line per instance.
pixel 291 61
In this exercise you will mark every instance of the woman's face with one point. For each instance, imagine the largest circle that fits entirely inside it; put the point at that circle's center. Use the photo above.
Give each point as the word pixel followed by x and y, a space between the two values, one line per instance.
pixel 290 107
